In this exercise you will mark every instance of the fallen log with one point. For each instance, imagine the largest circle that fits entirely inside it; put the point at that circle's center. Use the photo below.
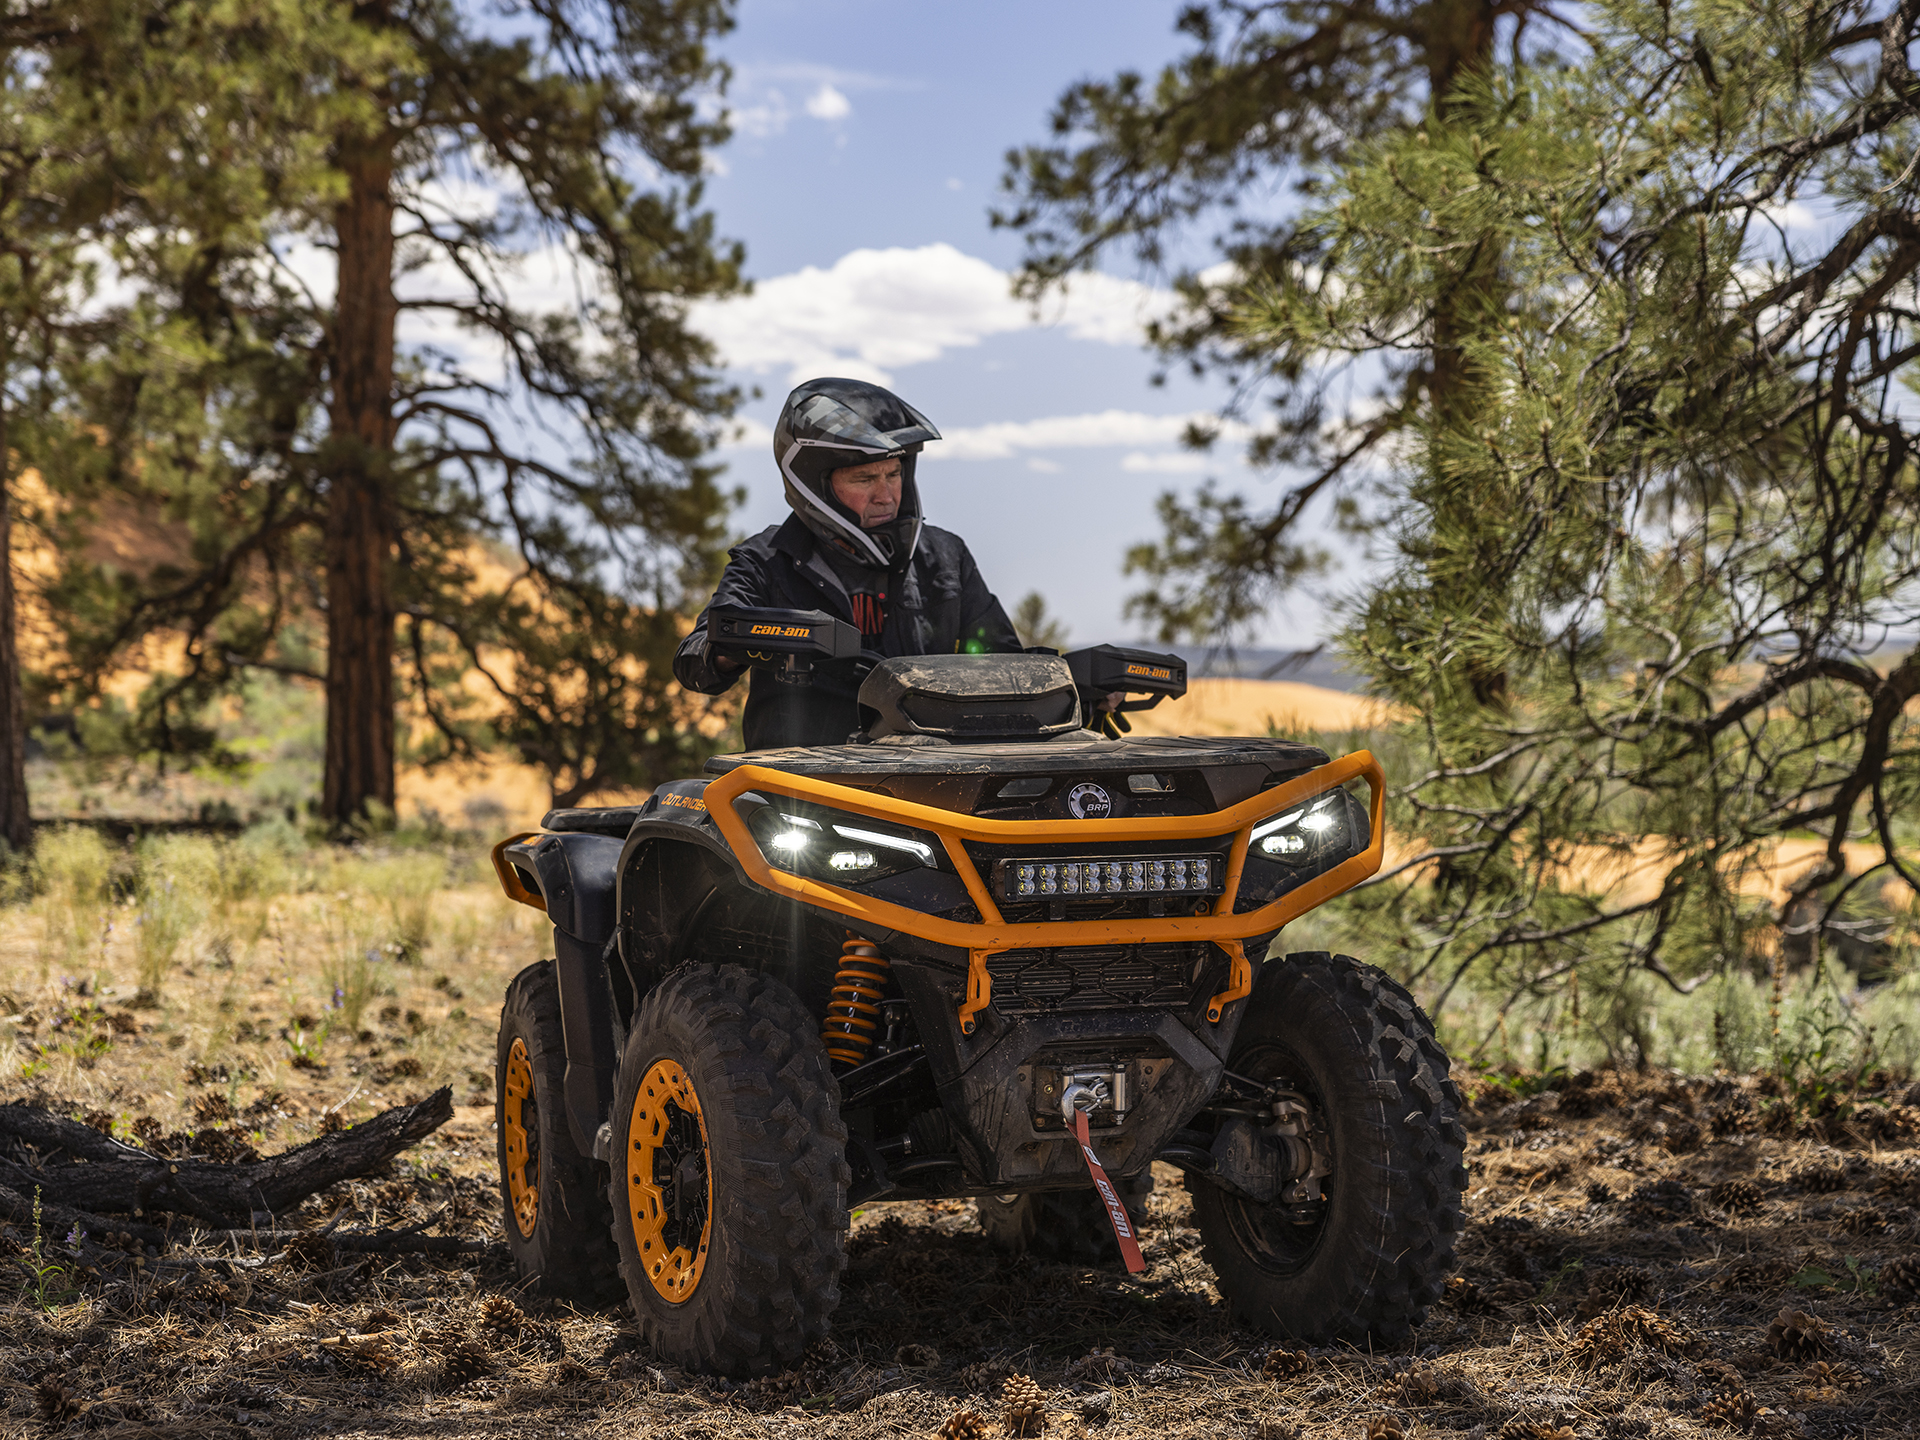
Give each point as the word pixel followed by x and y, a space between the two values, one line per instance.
pixel 102 1176
pixel 59 1221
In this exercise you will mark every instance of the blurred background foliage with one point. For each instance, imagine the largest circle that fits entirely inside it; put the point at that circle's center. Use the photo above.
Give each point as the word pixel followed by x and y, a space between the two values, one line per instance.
pixel 1602 340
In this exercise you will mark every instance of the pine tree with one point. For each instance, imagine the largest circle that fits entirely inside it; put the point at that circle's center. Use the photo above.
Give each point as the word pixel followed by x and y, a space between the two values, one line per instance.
pixel 1690 480
pixel 1273 95
pixel 74 156
pixel 349 476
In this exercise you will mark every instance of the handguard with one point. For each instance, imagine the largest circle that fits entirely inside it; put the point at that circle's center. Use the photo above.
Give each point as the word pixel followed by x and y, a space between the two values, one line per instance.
pixel 789 641
pixel 1103 670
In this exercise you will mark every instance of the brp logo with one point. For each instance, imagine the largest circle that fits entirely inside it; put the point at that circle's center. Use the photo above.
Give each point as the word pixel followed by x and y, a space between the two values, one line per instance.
pixel 1088 801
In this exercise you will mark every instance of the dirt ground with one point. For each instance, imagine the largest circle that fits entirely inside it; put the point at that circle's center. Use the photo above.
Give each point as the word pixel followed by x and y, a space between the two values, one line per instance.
pixel 1633 1241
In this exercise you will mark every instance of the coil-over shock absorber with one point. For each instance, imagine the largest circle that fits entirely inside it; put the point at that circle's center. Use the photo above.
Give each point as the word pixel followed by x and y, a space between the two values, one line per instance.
pixel 853 1011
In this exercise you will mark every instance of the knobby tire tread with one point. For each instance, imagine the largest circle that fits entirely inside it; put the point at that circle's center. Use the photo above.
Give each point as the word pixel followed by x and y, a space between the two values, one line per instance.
pixel 1402 1249
pixel 777 1147
pixel 571 1251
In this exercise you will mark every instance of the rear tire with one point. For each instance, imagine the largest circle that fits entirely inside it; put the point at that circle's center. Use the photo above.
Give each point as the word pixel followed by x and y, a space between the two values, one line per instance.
pixel 1062 1224
pixel 730 1176
pixel 1364 1054
pixel 553 1198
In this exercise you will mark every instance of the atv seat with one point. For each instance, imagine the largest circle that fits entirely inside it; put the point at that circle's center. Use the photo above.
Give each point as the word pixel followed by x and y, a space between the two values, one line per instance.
pixel 614 820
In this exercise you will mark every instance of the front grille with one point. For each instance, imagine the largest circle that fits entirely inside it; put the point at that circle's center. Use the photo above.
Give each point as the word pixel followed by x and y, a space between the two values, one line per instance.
pixel 1065 979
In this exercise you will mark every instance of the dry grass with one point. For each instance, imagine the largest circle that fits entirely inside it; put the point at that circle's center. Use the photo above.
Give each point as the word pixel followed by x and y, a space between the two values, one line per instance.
pixel 1632 1245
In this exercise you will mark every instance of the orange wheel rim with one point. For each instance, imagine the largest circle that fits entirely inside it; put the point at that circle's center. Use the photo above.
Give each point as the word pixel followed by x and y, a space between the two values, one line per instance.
pixel 669 1181
pixel 518 1116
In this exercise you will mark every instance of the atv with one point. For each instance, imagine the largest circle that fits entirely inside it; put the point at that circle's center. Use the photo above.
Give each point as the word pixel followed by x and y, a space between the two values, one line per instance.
pixel 980 950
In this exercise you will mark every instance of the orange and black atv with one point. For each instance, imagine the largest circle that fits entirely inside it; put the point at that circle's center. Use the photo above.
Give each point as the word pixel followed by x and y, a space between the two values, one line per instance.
pixel 982 951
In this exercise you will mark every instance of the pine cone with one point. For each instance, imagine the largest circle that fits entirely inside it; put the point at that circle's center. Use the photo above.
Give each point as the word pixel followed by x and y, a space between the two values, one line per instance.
pixel 1825 1372
pixel 1612 1285
pixel 375 1354
pixel 979 1377
pixel 1661 1203
pixel 1864 1220
pixel 1466 1297
pixel 1796 1335
pixel 467 1360
pixel 1023 1406
pixel 1900 1278
pixel 201 1290
pixel 1282 1364
pixel 1585 1104
pixel 1599 1194
pixel 1820 1179
pixel 1386 1427
pixel 311 1251
pixel 500 1315
pixel 1421 1385
pixel 777 1390
pixel 1755 1273
pixel 1815 1395
pixel 1607 1339
pixel 56 1404
pixel 1098 1364
pixel 1735 1117
pixel 1518 1429
pixel 965 1425
pixel 1736 1410
pixel 916 1357
pixel 1737 1196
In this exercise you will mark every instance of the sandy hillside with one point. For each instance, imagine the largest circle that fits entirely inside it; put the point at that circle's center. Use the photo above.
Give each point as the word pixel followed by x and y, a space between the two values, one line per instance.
pixel 1253 707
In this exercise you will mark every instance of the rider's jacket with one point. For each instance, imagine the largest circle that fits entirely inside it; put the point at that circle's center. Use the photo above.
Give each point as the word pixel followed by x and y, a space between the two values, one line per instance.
pixel 938 605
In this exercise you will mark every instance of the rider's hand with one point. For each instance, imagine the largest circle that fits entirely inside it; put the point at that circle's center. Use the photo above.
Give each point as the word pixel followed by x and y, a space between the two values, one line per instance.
pixel 1107 717
pixel 726 665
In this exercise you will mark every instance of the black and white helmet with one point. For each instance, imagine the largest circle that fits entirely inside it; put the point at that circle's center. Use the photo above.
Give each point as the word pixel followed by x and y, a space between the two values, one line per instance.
pixel 828 424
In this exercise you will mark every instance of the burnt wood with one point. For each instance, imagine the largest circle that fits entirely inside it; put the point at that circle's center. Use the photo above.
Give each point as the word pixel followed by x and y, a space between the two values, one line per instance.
pixel 76 1167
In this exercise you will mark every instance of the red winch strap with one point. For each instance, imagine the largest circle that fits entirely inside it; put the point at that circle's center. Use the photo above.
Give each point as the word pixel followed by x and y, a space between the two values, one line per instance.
pixel 1116 1212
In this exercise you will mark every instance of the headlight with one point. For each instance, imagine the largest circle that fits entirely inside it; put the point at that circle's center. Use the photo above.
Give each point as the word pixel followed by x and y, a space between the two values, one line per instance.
pixel 1293 848
pixel 833 845
pixel 1299 832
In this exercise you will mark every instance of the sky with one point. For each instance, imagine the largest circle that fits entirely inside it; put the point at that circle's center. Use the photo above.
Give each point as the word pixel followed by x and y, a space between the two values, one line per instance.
pixel 869 143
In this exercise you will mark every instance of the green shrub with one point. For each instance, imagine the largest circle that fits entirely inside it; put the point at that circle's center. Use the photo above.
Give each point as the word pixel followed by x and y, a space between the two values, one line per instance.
pixel 72 873
pixel 177 877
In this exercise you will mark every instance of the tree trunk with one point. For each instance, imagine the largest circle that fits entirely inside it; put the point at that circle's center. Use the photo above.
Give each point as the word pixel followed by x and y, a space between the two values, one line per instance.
pixel 361 530
pixel 16 826
pixel 1460 45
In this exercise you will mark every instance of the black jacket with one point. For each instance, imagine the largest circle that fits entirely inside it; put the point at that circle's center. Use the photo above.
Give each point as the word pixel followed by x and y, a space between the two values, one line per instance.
pixel 939 606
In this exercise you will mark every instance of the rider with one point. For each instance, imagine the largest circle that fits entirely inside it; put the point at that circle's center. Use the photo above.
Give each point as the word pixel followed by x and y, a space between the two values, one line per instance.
pixel 856 547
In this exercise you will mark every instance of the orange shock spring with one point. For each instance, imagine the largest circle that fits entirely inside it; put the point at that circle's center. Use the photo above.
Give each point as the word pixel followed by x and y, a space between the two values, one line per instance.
pixel 853 1011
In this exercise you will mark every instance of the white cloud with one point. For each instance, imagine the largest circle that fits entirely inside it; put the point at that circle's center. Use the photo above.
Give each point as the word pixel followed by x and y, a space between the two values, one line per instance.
pixel 1179 462
pixel 767 116
pixel 1009 439
pixel 875 311
pixel 954 183
pixel 827 103
pixel 1791 215
pixel 1006 438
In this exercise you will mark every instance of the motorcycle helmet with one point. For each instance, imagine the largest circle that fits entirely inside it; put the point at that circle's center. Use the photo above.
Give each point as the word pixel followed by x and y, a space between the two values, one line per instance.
pixel 828 424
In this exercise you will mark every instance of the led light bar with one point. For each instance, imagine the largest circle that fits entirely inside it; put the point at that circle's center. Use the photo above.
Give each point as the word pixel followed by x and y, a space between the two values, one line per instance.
pixel 1049 879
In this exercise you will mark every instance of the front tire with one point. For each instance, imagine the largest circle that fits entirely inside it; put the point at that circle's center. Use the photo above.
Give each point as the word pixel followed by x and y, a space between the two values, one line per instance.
pixel 730 1177
pixel 1365 1268
pixel 554 1198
